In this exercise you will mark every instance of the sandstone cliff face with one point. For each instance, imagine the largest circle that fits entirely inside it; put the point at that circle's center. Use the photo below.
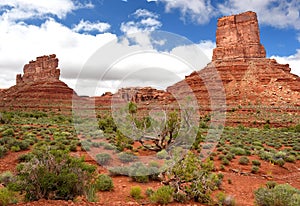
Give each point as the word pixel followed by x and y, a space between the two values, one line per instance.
pixel 237 36
pixel 256 87
pixel 38 88
pixel 44 68
pixel 141 94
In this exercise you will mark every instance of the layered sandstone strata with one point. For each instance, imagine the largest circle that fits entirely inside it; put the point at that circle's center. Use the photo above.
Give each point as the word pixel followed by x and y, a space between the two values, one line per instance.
pixel 256 88
pixel 39 87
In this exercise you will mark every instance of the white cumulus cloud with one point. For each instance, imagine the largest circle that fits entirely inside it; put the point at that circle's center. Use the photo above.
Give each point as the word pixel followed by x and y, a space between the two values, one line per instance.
pixel 276 13
pixel 144 21
pixel 292 60
pixel 88 26
pixel 199 11
pixel 21 9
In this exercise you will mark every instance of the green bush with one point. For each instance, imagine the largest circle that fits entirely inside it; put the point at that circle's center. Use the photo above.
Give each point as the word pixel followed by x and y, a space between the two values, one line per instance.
pixel 254 169
pixel 3 151
pixel 163 195
pixel 225 200
pixel 163 154
pixel 115 171
pixel 280 162
pixel 25 157
pixel 139 172
pixel 6 178
pixel 290 158
pixel 6 197
pixel 180 197
pixel 104 183
pixel 295 200
pixel 256 163
pixel 244 160
pixel 238 151
pixel 103 158
pixel 15 149
pixel 225 161
pixel 197 179
pixel 136 192
pixel 52 174
pixel 126 157
pixel 271 184
pixel 280 195
pixel 8 133
pixel 149 192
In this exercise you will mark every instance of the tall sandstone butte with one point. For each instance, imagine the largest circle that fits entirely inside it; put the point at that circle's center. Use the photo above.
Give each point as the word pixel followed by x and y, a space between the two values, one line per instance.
pixel 39 87
pixel 257 89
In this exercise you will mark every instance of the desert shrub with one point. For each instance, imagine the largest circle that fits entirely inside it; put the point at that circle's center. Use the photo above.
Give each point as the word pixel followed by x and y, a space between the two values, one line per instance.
pixel 104 183
pixel 154 164
pixel 295 200
pixel 194 178
pixel 103 158
pixel 238 151
pixel 25 157
pixel 230 156
pixel 254 169
pixel 163 154
pixel 54 174
pixel 256 163
pixel 139 172
pixel 163 195
pixel 15 149
pixel 180 197
pixel 73 147
pixel 6 196
pixel 126 157
pixel 271 184
pixel 3 151
pixel 115 171
pixel 136 192
pixel 296 147
pixel 8 132
pixel 280 195
pixel 225 161
pixel 244 160
pixel 108 146
pixel 24 145
pixel 225 200
pixel 149 192
pixel 107 125
pixel 280 162
pixel 121 141
pixel 6 178
pixel 290 158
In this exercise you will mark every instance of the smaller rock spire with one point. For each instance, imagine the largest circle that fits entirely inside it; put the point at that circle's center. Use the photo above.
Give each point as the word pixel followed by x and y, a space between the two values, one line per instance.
pixel 43 68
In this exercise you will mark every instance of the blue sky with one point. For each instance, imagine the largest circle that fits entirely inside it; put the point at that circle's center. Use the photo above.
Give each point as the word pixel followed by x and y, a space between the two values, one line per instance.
pixel 74 30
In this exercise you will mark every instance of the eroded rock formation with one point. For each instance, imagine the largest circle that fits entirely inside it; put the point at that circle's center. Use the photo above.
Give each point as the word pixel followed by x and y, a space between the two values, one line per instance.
pixel 141 94
pixel 39 87
pixel 256 88
pixel 238 36
pixel 43 68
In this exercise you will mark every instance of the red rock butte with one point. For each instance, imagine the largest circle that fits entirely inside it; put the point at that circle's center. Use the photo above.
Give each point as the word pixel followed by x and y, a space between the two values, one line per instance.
pixel 257 89
pixel 39 88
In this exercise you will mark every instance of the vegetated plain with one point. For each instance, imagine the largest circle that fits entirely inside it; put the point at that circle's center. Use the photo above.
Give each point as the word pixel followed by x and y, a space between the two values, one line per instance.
pixel 42 156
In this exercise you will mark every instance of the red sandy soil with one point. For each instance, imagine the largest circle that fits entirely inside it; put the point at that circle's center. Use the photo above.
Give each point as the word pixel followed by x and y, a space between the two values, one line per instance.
pixel 241 186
